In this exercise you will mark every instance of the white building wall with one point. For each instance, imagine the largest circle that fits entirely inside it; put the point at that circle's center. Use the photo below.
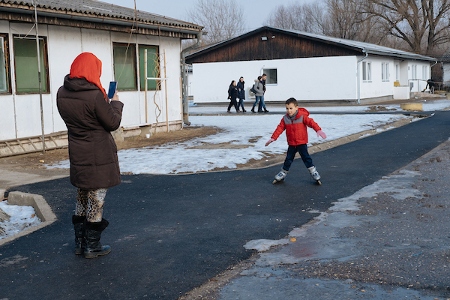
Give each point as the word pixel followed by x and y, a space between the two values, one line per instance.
pixel 446 73
pixel 7 120
pixel 22 114
pixel 404 79
pixel 66 41
pixel 376 87
pixel 307 79
pixel 418 79
pixel 415 81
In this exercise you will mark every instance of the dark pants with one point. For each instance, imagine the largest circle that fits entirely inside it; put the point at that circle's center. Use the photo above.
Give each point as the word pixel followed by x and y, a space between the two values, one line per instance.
pixel 290 155
pixel 241 104
pixel 233 103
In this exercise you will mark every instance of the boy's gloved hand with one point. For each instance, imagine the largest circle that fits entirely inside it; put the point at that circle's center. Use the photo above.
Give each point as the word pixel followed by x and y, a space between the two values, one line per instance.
pixel 269 141
pixel 321 134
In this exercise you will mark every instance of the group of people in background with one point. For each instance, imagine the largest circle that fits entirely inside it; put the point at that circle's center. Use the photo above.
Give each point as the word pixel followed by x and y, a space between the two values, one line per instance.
pixel 236 94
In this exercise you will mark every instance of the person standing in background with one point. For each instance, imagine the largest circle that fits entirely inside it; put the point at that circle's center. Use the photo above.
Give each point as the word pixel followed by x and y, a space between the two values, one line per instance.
pixel 232 95
pixel 262 104
pixel 259 87
pixel 241 93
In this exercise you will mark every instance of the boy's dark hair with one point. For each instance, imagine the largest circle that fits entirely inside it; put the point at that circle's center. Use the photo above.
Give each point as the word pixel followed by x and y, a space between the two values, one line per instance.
pixel 292 100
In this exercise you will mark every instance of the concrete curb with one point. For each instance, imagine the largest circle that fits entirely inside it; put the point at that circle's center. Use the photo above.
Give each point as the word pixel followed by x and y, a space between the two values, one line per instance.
pixel 42 209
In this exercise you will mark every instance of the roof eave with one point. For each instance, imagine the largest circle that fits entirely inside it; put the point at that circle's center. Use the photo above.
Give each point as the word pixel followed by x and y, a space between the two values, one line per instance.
pixel 189 28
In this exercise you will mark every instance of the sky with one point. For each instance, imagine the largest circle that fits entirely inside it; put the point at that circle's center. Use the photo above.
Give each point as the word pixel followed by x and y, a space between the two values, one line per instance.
pixel 228 148
pixel 255 12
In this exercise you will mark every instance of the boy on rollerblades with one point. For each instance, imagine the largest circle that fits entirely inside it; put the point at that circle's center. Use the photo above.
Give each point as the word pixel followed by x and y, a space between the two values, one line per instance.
pixel 295 122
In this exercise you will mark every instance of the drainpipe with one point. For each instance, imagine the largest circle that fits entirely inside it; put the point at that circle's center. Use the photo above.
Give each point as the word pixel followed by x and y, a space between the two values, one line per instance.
pixel 435 63
pixel 358 76
pixel 39 77
pixel 184 83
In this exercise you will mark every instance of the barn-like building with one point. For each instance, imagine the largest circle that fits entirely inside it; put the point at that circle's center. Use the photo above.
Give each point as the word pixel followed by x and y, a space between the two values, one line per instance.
pixel 309 67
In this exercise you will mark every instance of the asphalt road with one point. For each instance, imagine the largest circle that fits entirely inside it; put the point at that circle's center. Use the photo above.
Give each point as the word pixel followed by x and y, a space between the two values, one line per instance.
pixel 172 233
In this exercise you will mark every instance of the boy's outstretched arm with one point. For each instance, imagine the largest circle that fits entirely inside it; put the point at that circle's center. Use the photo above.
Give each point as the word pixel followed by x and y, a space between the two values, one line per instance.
pixel 321 134
pixel 279 130
pixel 269 141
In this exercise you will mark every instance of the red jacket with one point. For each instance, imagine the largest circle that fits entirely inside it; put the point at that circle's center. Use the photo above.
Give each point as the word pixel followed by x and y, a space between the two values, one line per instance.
pixel 296 128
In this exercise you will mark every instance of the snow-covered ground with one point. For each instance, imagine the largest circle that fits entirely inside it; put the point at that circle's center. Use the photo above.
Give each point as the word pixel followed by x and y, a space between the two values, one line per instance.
pixel 18 218
pixel 242 139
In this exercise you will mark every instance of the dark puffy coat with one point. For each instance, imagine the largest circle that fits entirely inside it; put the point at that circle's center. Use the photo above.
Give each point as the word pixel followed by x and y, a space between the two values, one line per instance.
pixel 241 90
pixel 232 92
pixel 89 120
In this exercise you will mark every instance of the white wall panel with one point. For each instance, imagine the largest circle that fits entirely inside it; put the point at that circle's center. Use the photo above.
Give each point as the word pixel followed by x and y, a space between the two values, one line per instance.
pixel 329 78
pixel 64 44
pixel 7 120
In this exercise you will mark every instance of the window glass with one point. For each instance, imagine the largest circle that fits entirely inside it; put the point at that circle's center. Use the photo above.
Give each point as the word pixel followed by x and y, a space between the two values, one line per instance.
pixel 414 72
pixel 272 76
pixel 153 67
pixel 425 72
pixel 4 72
pixel 367 72
pixel 385 72
pixel 124 57
pixel 26 65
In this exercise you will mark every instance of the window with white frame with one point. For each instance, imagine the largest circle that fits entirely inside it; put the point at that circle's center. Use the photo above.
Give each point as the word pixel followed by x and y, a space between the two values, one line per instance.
pixel 26 65
pixel 272 76
pixel 414 72
pixel 425 72
pixel 367 71
pixel 125 72
pixel 384 72
pixel 153 67
pixel 126 62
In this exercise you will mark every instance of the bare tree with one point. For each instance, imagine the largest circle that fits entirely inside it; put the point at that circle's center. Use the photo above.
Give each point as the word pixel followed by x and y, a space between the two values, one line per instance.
pixel 344 18
pixel 422 24
pixel 302 17
pixel 222 19
pixel 337 18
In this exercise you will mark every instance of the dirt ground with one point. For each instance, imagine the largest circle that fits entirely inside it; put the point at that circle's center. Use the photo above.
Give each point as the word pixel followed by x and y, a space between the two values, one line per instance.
pixel 35 162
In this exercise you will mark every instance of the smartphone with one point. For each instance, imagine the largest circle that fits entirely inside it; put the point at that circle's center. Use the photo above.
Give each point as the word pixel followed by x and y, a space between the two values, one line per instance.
pixel 112 89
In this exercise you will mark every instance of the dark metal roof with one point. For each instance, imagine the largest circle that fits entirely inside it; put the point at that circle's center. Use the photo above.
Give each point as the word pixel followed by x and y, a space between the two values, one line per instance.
pixel 349 44
pixel 98 11
pixel 366 47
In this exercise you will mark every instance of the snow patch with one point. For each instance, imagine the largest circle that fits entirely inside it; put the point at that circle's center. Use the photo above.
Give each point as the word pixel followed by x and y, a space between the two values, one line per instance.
pixel 20 217
pixel 213 152
pixel 264 245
